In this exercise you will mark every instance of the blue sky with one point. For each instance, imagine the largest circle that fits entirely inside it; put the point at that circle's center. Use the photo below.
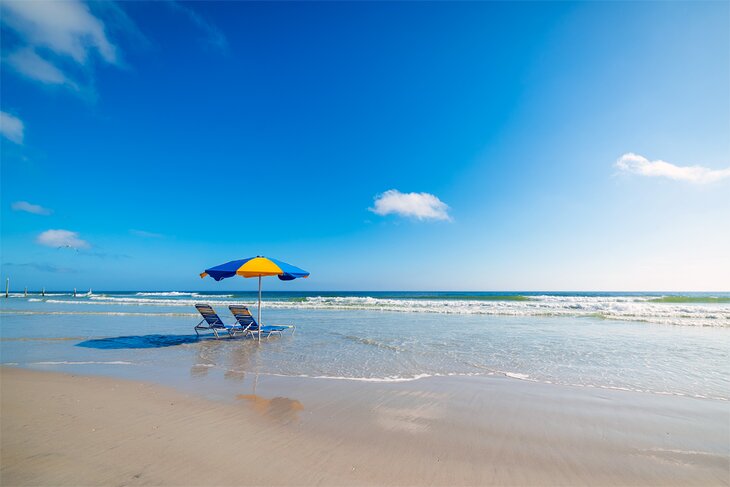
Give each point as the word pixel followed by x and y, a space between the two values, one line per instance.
pixel 381 146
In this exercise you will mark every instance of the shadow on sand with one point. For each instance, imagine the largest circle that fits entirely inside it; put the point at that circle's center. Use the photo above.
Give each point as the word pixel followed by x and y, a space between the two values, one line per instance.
pixel 140 341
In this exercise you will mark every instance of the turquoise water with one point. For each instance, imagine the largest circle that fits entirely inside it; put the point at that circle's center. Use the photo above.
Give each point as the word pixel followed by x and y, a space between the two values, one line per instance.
pixel 688 309
pixel 648 342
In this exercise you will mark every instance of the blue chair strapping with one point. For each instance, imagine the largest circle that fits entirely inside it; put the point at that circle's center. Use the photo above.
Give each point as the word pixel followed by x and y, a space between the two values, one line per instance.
pixel 244 317
pixel 210 316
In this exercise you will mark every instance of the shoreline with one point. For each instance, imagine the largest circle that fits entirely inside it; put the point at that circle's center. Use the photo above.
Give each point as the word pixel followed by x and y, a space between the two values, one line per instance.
pixel 66 429
pixel 656 308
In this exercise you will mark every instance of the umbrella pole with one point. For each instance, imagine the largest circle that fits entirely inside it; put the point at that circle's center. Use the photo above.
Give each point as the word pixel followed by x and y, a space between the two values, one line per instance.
pixel 259 313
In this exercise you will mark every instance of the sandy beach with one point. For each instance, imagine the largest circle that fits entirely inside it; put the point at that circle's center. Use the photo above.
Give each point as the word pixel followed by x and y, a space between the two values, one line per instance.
pixel 60 429
pixel 364 243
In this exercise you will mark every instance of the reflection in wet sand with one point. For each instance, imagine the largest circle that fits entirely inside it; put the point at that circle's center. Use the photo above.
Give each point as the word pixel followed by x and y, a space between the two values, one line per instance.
pixel 411 420
pixel 239 360
pixel 410 411
pixel 234 357
pixel 277 408
pixel 206 358
pixel 200 370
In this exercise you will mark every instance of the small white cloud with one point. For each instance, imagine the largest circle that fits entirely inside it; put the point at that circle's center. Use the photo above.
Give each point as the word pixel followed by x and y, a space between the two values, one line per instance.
pixel 30 208
pixel 26 62
pixel 634 163
pixel 42 267
pixel 423 206
pixel 145 234
pixel 67 28
pixel 11 127
pixel 52 33
pixel 214 36
pixel 62 238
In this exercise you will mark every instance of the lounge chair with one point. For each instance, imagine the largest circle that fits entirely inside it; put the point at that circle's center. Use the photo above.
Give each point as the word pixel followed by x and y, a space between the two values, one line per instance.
pixel 246 321
pixel 211 321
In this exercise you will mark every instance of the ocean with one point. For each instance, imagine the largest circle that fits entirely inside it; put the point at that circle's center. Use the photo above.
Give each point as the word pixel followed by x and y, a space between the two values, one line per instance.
pixel 655 343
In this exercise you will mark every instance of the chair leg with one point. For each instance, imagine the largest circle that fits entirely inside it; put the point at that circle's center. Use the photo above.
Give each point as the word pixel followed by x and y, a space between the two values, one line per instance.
pixel 196 327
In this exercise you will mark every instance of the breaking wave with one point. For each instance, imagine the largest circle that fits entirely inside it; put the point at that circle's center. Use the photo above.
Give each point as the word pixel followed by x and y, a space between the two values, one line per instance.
pixel 175 294
pixel 666 310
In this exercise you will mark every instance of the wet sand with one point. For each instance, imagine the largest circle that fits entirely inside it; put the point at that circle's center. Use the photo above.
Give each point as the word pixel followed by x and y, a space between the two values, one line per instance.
pixel 62 429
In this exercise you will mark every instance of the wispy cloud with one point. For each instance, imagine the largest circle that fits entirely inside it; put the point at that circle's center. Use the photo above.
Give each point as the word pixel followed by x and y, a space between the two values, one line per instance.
pixel 106 255
pixel 26 62
pixel 117 23
pixel 213 35
pixel 422 206
pixel 53 34
pixel 30 208
pixel 145 234
pixel 67 28
pixel 62 239
pixel 43 267
pixel 636 164
pixel 11 127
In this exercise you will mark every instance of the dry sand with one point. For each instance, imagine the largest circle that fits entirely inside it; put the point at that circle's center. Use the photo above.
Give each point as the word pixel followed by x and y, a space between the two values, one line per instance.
pixel 75 430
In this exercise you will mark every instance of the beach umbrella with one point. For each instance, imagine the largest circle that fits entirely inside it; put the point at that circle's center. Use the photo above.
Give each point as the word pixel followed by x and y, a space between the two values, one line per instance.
pixel 258 266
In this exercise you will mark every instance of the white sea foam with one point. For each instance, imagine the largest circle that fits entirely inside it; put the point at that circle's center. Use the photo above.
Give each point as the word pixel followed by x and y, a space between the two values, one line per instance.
pixel 168 293
pixel 94 313
pixel 625 308
pixel 515 375
pixel 177 294
pixel 393 378
pixel 507 375
pixel 66 362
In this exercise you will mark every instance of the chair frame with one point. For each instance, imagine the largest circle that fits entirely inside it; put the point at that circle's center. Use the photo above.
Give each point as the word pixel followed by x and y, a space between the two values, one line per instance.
pixel 211 321
pixel 254 324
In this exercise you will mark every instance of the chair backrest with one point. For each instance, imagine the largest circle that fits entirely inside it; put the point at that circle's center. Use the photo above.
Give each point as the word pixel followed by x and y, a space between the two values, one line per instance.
pixel 209 315
pixel 244 317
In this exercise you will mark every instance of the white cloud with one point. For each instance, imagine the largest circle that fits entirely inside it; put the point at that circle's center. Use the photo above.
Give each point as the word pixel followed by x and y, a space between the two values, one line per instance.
pixel 62 238
pixel 11 127
pixel 423 206
pixel 30 208
pixel 634 163
pixel 43 267
pixel 51 32
pixel 145 234
pixel 67 28
pixel 26 62
pixel 215 36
